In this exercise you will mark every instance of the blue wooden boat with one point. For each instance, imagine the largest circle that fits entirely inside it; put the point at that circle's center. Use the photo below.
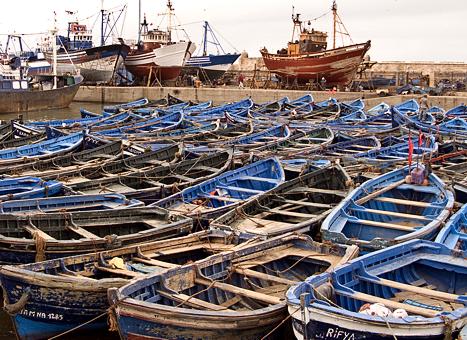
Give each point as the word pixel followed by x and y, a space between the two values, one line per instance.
pixel 234 295
pixel 415 290
pixel 346 148
pixel 46 149
pixel 68 203
pixel 19 135
pixel 61 281
pixel 164 123
pixel 17 188
pixel 218 112
pixel 210 199
pixel 29 238
pixel 410 105
pixel 378 109
pixel 458 111
pixel 160 180
pixel 456 125
pixel 261 138
pixel 127 106
pixel 454 235
pixel 386 210
pixel 298 205
pixel 400 152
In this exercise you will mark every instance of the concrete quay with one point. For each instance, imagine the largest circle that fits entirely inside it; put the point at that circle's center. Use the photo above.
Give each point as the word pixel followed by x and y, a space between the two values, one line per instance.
pixel 220 95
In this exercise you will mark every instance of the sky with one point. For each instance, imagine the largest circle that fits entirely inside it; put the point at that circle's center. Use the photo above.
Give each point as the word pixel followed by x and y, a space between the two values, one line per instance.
pixel 403 30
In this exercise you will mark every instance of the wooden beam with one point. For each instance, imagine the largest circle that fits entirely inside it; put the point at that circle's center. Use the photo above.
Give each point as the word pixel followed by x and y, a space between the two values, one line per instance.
pixel 390 304
pixel 156 263
pixel 306 204
pixel 33 230
pixel 341 193
pixel 289 213
pixel 385 225
pixel 192 301
pixel 263 276
pixel 379 192
pixel 414 289
pixel 405 202
pixel 240 291
pixel 124 272
pixel 393 213
pixel 83 232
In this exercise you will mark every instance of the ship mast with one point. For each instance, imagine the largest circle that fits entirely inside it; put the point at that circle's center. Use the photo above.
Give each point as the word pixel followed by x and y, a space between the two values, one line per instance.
pixel 54 50
pixel 334 20
pixel 169 21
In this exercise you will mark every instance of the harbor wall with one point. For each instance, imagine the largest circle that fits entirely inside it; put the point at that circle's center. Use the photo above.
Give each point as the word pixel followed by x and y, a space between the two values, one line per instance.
pixel 219 95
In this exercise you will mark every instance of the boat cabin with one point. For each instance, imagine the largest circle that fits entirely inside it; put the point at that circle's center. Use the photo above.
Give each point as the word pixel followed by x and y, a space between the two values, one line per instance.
pixel 78 38
pixel 310 40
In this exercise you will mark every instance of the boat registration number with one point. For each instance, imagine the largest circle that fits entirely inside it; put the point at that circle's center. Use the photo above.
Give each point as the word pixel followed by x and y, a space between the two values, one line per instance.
pixel 41 315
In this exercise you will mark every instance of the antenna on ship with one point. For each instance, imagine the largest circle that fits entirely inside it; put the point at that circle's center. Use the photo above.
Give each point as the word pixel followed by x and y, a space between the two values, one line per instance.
pixel 54 49
pixel 169 21
pixel 338 25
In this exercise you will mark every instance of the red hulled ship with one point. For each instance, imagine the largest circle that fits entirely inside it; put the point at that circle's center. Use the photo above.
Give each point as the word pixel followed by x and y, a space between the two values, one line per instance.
pixel 308 59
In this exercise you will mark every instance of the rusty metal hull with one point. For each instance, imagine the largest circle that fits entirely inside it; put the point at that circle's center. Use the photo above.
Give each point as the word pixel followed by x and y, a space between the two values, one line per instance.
pixel 337 66
pixel 22 101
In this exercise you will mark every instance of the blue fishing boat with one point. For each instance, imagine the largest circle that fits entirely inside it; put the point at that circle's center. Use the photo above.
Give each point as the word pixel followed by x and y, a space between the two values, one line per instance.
pixel 83 122
pixel 378 109
pixel 68 203
pixel 346 148
pixel 415 290
pixel 61 281
pixel 17 188
pixel 410 105
pixel 400 152
pixel 456 125
pixel 207 299
pixel 216 196
pixel 261 138
pixel 46 149
pixel 164 123
pixel 453 235
pixel 218 112
pixel 127 106
pixel 388 210
pixel 458 111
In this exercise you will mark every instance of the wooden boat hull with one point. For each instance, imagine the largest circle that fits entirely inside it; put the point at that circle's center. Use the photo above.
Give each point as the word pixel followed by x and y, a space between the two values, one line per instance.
pixel 337 66
pixel 219 311
pixel 423 273
pixel 23 101
pixel 136 322
pixel 58 302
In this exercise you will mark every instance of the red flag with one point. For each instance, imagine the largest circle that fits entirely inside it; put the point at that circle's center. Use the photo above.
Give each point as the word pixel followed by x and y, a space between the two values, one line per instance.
pixel 410 151
pixel 420 137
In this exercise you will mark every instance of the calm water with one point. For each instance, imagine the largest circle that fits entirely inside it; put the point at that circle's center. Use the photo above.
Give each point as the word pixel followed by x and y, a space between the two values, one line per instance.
pixel 6 328
pixel 70 112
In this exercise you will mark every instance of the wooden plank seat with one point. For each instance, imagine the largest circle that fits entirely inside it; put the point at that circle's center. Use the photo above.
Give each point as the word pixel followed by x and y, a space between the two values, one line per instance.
pixel 304 203
pixel 383 225
pixel 239 189
pixel 259 179
pixel 221 198
pixel 391 213
pixel 389 303
pixel 240 291
pixel 414 289
pixel 192 301
pixel 406 202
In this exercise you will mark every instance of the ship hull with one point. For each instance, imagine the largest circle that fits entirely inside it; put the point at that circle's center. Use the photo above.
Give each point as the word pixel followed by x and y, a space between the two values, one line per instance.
pixel 164 62
pixel 337 66
pixel 212 66
pixel 96 65
pixel 23 101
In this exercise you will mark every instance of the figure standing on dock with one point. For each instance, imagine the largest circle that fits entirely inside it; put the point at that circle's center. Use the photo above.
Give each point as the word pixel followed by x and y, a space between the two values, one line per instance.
pixel 241 78
pixel 423 108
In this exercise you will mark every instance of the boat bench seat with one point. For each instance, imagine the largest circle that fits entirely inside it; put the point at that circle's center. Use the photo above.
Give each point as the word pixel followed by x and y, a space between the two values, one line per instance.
pixel 419 188
pixel 260 179
pixel 221 198
pixel 251 191
pixel 66 145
